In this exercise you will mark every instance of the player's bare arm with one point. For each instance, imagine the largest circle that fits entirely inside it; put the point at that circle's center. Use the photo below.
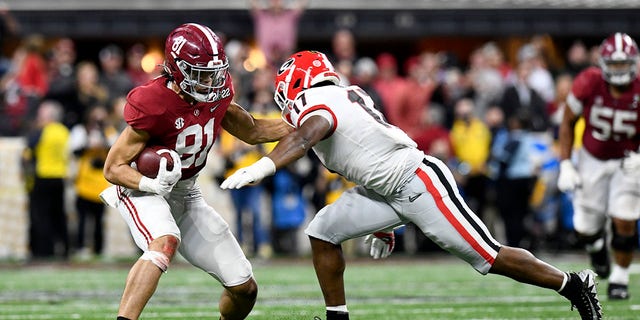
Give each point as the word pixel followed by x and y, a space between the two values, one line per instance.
pixel 290 148
pixel 296 144
pixel 116 168
pixel 566 133
pixel 245 127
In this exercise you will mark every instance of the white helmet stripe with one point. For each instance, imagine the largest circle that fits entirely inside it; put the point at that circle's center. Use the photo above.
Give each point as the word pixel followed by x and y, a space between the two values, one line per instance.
pixel 210 35
pixel 618 42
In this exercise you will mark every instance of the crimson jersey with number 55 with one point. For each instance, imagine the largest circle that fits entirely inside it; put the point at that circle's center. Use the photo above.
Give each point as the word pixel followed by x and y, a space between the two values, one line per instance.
pixel 174 123
pixel 612 125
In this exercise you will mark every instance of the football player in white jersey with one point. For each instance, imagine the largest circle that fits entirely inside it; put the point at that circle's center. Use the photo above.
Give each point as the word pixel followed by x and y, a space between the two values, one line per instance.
pixel 397 184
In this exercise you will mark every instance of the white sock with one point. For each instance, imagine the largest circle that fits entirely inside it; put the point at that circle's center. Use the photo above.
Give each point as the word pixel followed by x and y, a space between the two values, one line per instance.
pixel 564 281
pixel 342 308
pixel 619 275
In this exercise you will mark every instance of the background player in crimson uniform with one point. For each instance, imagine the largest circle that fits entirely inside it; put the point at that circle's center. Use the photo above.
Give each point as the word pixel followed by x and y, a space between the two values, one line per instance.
pixel 607 98
pixel 183 110
pixel 397 184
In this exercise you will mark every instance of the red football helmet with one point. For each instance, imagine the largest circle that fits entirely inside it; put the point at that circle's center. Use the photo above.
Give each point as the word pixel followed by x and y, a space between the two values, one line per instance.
pixel 301 71
pixel 618 59
pixel 195 59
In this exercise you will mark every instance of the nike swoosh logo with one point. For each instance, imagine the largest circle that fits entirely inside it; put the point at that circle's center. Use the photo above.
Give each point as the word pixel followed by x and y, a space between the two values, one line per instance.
pixel 414 197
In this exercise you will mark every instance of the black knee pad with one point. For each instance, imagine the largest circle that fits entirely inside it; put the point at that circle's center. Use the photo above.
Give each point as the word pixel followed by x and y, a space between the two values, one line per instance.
pixel 586 240
pixel 624 243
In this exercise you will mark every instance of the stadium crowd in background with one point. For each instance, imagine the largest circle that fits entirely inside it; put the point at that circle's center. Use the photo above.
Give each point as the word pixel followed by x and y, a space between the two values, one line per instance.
pixel 484 108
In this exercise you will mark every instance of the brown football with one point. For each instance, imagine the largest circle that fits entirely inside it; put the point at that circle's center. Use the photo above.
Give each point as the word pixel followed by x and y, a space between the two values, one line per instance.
pixel 148 161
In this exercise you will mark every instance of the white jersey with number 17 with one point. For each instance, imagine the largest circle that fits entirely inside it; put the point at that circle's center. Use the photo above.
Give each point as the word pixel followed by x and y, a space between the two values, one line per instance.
pixel 361 145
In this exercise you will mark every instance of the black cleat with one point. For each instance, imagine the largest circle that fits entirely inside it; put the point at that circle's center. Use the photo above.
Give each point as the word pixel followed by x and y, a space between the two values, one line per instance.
pixel 618 291
pixel 581 291
pixel 601 262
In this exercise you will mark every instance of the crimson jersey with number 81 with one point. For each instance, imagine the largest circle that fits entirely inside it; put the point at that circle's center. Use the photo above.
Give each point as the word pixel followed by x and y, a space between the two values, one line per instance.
pixel 612 126
pixel 174 123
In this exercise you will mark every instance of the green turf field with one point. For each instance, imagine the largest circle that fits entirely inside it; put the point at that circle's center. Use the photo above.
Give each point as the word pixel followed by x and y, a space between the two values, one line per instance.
pixel 397 288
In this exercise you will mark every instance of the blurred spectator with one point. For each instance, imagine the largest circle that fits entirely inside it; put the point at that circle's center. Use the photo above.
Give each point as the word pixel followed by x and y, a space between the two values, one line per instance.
pixel 117 113
pixel 494 119
pixel 24 85
pixel 454 86
pixel 87 93
pixel 423 74
pixel 289 208
pixel 134 65
pixel 9 27
pixel 365 72
pixel 89 143
pixel 520 98
pixel 515 174
pixel 471 138
pixel 494 58
pixel 276 28
pixel 539 77
pixel 62 72
pixel 238 54
pixel 577 58
pixel 551 58
pixel 238 154
pixel 555 109
pixel 344 69
pixel 344 55
pixel 485 81
pixel 391 86
pixel 433 132
pixel 113 76
pixel 594 55
pixel 46 162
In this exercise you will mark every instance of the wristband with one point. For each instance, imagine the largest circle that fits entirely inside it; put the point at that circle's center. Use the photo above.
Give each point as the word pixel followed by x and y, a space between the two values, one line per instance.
pixel 146 184
pixel 266 166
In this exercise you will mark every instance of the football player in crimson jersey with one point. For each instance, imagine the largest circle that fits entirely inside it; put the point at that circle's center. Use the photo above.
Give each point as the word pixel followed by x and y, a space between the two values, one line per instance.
pixel 604 174
pixel 397 184
pixel 183 110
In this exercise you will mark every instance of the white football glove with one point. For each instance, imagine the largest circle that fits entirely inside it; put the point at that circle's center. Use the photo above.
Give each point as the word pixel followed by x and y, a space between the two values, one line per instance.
pixel 382 244
pixel 631 163
pixel 165 180
pixel 251 174
pixel 569 179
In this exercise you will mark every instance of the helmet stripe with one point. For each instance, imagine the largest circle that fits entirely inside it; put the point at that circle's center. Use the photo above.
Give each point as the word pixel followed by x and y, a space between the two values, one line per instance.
pixel 618 42
pixel 210 36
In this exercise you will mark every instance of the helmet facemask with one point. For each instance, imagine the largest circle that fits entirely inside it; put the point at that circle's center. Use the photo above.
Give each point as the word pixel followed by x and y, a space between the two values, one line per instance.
pixel 618 72
pixel 200 82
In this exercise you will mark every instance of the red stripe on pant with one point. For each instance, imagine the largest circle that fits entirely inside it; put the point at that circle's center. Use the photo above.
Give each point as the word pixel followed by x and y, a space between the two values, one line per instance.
pixel 451 217
pixel 133 212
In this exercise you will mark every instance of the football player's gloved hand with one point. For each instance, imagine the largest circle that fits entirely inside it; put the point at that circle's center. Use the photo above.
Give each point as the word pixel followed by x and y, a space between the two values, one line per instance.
pixel 251 174
pixel 631 163
pixel 569 179
pixel 382 244
pixel 166 179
